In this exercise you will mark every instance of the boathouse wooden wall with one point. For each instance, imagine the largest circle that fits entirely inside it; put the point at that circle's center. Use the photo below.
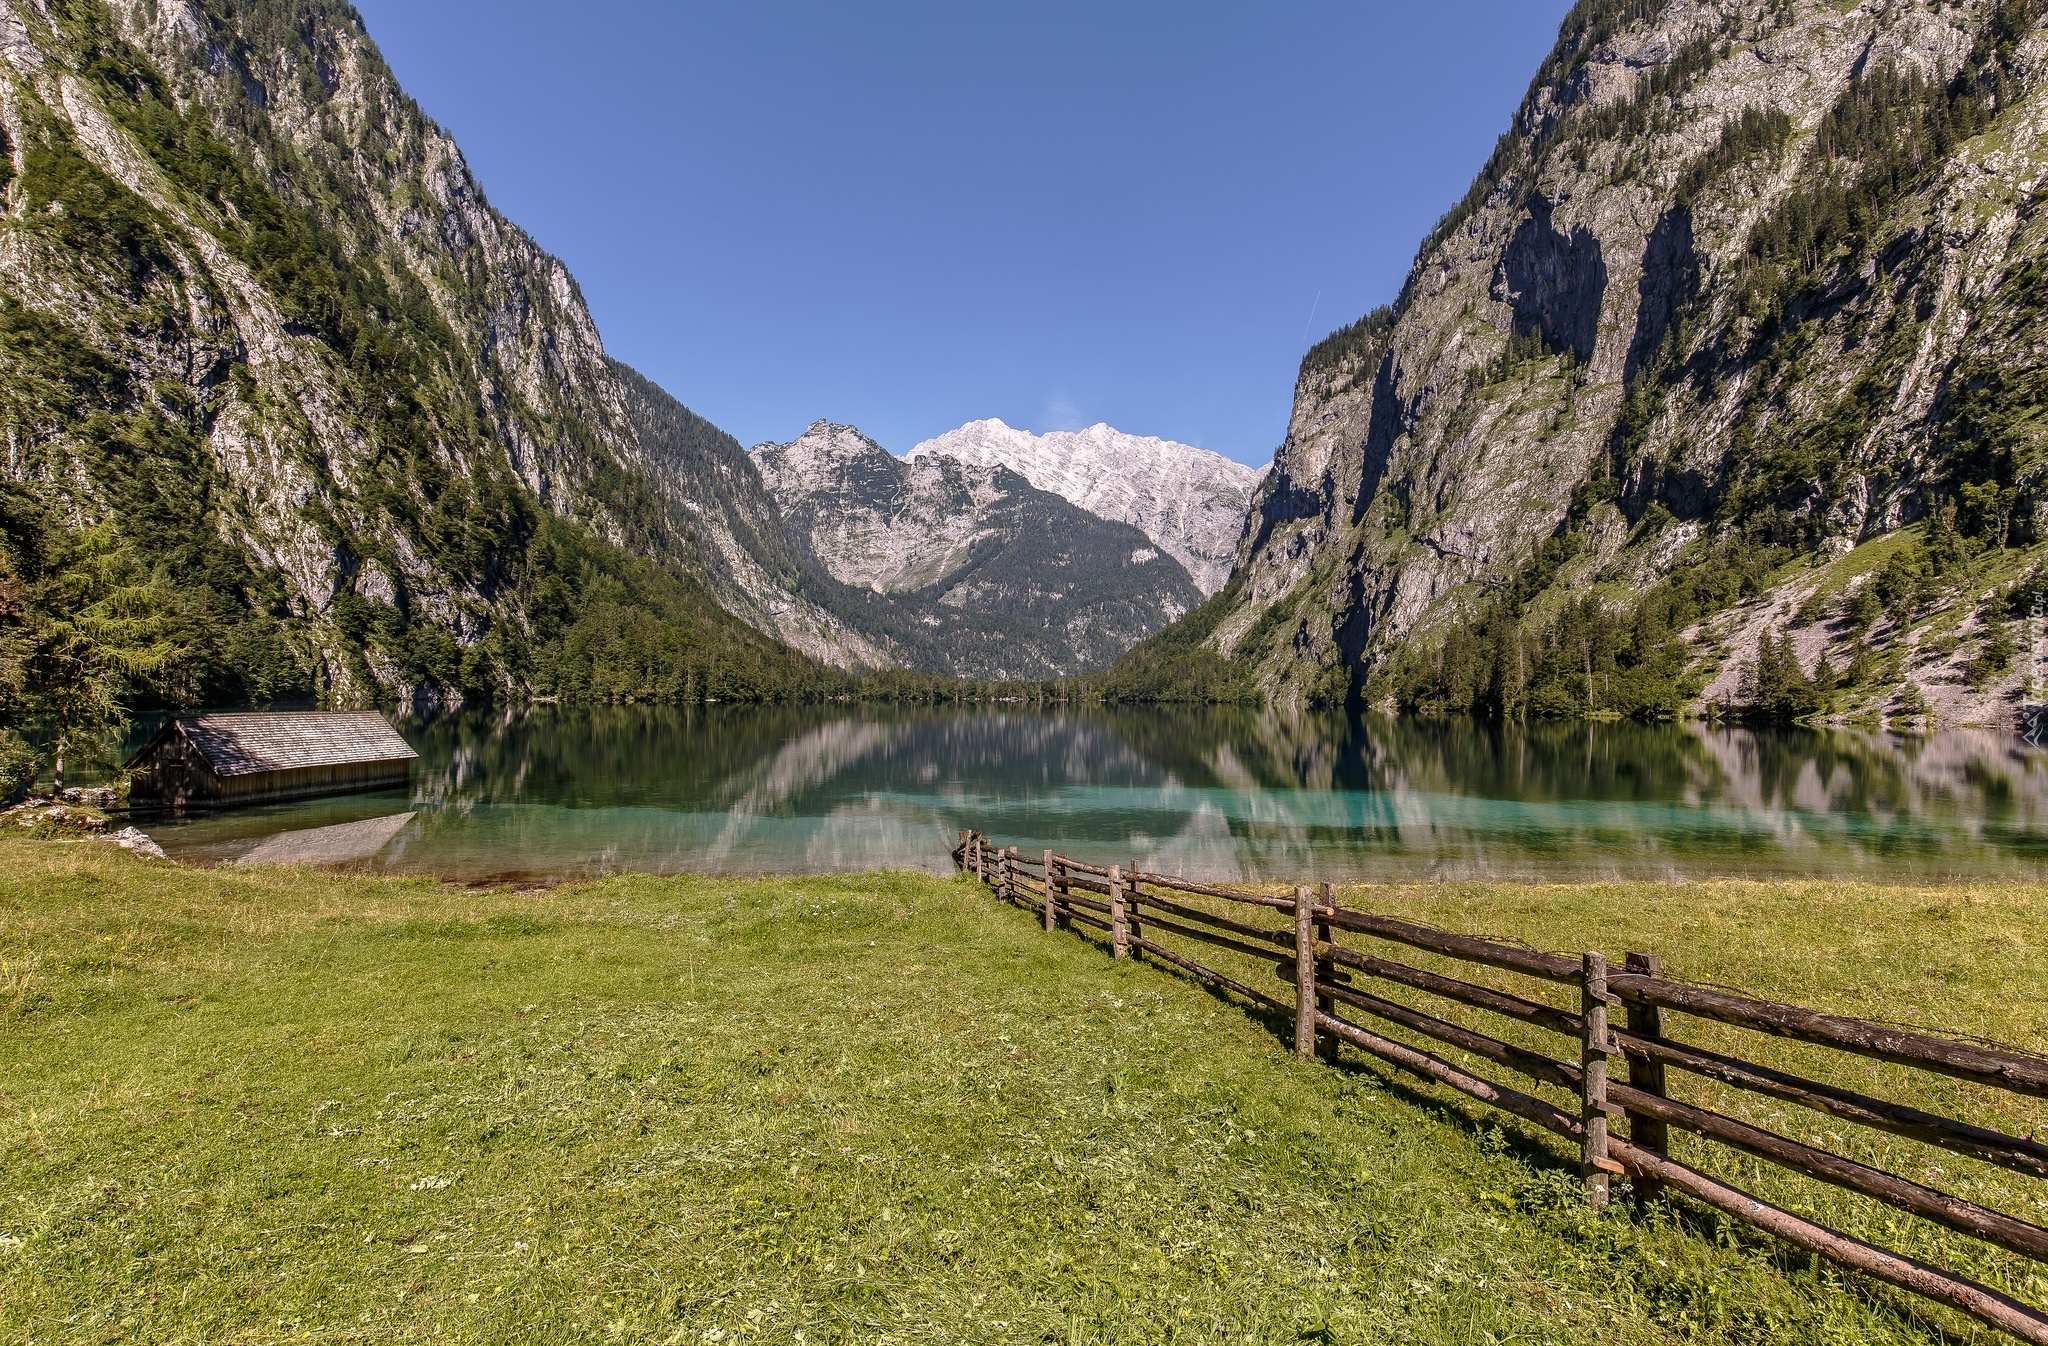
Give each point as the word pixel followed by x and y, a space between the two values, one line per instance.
pixel 173 773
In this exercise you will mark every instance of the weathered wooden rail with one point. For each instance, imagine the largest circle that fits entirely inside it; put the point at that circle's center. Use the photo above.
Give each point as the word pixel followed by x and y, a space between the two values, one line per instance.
pixel 1133 909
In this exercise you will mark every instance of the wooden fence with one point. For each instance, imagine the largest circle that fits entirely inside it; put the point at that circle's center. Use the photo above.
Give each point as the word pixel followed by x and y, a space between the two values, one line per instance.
pixel 1136 912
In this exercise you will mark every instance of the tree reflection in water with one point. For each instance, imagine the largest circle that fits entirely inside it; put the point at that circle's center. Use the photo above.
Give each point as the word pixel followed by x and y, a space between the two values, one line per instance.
pixel 1225 794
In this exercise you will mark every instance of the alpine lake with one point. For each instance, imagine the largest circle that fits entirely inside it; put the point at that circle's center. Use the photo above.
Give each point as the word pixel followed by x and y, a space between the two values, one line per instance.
pixel 1223 795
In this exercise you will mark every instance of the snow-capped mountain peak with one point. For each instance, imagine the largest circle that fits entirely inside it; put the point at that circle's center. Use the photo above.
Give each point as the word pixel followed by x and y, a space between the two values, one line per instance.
pixel 1190 501
pixel 968 567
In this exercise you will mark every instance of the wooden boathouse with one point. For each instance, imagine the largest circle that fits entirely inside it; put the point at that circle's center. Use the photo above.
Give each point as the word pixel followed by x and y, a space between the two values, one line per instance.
pixel 259 757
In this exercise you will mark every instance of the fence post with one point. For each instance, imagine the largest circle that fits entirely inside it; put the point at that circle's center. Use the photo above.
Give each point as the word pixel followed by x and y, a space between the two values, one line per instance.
pixel 980 871
pixel 1009 889
pixel 1594 1047
pixel 1051 908
pixel 963 852
pixel 1326 971
pixel 1132 925
pixel 1304 973
pixel 1118 933
pixel 1647 1021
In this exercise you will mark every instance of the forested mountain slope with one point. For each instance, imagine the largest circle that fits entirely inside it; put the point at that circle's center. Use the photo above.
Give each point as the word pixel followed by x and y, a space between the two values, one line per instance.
pixel 281 392
pixel 746 553
pixel 964 568
pixel 1724 378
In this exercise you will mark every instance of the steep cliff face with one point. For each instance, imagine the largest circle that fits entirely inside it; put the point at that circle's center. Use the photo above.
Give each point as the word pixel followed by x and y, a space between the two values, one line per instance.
pixel 748 559
pixel 872 519
pixel 960 568
pixel 1190 501
pixel 1746 289
pixel 255 311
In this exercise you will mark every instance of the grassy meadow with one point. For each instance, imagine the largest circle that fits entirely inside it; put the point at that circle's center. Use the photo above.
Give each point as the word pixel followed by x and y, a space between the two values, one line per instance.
pixel 284 1105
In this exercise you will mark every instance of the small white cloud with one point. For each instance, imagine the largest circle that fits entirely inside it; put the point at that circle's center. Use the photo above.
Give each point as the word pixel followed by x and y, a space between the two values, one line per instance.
pixel 1062 414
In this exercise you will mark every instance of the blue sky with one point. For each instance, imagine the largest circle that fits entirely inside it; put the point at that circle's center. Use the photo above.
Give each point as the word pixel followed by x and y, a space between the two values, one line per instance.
pixel 907 216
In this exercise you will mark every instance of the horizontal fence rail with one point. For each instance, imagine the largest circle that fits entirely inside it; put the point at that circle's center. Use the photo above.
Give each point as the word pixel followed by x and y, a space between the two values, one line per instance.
pixel 1620 1123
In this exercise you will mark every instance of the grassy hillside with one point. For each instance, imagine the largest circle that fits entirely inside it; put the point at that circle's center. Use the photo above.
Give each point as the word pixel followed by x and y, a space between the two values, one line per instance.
pixel 268 1105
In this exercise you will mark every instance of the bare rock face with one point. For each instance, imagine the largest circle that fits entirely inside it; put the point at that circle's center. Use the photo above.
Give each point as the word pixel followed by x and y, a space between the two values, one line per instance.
pixel 1677 312
pixel 1190 501
pixel 961 568
pixel 748 561
pixel 246 282
pixel 255 310
pixel 875 520
pixel 1554 284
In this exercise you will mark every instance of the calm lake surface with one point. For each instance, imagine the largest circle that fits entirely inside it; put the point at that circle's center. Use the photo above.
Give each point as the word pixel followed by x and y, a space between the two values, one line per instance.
pixel 1223 795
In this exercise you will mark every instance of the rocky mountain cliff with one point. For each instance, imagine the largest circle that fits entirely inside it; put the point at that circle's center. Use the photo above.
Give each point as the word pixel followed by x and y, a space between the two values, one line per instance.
pixel 967 568
pixel 257 317
pixel 750 563
pixel 1722 382
pixel 265 346
pixel 1190 501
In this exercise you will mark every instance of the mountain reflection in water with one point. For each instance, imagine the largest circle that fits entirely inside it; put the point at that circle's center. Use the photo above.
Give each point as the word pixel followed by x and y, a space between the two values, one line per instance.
pixel 1224 795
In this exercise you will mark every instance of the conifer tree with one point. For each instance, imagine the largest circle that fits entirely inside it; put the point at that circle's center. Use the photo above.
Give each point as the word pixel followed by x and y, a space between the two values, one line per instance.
pixel 97 629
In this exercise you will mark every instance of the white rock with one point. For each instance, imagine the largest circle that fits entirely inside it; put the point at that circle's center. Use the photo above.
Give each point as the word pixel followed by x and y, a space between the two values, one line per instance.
pixel 136 840
pixel 1190 501
pixel 871 518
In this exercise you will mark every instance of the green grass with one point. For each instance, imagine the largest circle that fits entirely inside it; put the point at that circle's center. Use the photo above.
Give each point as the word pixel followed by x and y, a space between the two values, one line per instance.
pixel 280 1105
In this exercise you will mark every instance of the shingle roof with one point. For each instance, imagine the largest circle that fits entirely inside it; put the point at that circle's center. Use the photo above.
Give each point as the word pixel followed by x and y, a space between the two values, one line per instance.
pixel 244 745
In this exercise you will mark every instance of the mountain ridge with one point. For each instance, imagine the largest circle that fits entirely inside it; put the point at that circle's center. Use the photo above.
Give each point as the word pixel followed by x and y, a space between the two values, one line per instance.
pixel 967 568
pixel 1190 501
pixel 1715 331
pixel 1716 393
pixel 258 319
pixel 742 544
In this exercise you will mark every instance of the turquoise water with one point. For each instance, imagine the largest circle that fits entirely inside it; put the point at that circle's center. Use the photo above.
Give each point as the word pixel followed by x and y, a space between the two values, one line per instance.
pixel 1223 795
